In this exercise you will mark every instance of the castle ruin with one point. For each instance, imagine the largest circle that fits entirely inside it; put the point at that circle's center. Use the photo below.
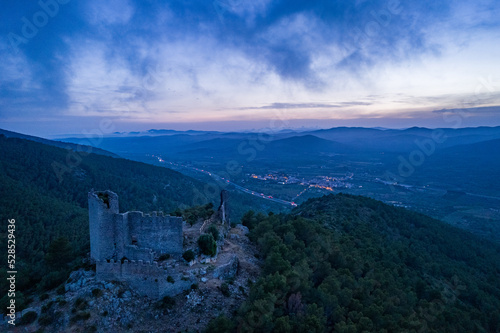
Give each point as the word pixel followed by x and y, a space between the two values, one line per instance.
pixel 125 246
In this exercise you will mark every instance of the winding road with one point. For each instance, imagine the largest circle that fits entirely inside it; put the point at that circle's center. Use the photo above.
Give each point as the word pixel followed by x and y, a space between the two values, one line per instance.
pixel 238 187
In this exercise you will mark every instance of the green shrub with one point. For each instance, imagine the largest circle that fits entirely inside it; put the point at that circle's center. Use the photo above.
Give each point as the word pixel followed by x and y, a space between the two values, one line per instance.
pixel 97 292
pixel 52 280
pixel 5 301
pixel 80 315
pixel 59 254
pixel 224 288
pixel 191 219
pixel 91 329
pixel 121 291
pixel 249 219
pixel 49 318
pixel 45 319
pixel 28 318
pixel 188 255
pixel 80 304
pixel 193 214
pixel 45 308
pixel 214 232
pixel 164 256
pixel 166 302
pixel 207 244
pixel 221 324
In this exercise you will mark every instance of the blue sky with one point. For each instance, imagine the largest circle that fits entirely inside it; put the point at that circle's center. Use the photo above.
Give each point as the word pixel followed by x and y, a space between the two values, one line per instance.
pixel 68 66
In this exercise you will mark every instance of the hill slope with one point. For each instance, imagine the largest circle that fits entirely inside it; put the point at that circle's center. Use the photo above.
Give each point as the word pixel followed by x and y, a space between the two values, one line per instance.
pixel 353 264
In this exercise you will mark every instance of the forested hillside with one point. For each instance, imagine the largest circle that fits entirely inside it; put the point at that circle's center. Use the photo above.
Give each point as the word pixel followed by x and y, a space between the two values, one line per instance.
pixel 344 263
pixel 45 188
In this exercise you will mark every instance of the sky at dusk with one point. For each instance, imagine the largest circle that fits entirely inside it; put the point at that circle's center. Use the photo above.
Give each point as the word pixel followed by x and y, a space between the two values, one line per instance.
pixel 67 66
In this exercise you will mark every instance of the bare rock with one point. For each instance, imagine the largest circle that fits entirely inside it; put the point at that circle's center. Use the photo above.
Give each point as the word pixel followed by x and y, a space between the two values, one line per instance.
pixel 227 270
pixel 243 229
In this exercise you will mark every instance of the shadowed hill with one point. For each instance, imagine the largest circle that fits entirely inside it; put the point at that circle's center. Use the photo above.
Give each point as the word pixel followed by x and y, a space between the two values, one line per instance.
pixel 66 145
pixel 307 144
pixel 472 167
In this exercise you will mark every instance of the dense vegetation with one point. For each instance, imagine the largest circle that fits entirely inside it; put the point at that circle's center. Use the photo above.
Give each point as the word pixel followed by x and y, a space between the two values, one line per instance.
pixel 207 244
pixel 352 264
pixel 193 214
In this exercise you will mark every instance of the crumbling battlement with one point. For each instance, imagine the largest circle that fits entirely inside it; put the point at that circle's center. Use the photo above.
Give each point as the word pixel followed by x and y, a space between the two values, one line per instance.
pixel 116 270
pixel 133 235
pixel 124 246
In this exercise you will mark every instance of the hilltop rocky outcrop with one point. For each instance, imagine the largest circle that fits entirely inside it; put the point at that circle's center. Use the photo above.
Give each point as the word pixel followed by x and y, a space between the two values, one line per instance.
pixel 87 304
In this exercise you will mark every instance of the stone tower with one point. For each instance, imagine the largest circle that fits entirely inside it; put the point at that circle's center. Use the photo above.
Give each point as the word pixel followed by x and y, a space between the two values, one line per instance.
pixel 103 206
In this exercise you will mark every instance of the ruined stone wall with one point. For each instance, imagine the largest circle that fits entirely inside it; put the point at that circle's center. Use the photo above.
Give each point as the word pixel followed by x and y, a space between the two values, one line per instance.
pixel 133 252
pixel 147 278
pixel 161 233
pixel 111 232
pixel 108 271
pixel 135 236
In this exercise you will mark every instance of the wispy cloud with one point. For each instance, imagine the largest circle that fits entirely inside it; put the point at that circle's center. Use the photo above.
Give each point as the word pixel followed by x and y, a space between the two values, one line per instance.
pixel 303 106
pixel 476 111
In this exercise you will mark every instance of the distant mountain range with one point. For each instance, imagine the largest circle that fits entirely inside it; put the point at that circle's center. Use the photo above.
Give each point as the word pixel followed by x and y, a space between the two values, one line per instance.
pixel 354 139
pixel 465 155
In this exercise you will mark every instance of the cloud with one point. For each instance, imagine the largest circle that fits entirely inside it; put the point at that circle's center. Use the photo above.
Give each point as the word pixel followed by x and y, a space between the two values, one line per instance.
pixel 304 106
pixel 473 111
